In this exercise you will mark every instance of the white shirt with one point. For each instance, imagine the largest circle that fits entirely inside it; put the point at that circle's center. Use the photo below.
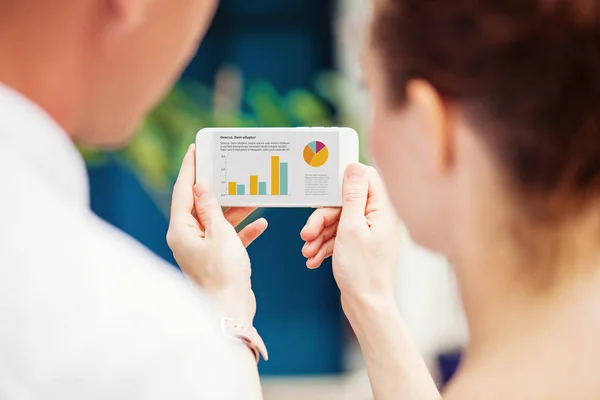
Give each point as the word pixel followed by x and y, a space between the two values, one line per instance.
pixel 86 312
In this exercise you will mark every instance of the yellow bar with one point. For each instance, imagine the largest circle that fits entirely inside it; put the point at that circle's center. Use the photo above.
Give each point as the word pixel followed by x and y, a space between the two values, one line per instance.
pixel 275 176
pixel 254 185
pixel 232 189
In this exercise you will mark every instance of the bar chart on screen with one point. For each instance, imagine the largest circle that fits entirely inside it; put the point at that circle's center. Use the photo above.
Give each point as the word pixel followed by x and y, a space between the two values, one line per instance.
pixel 276 169
pixel 275 182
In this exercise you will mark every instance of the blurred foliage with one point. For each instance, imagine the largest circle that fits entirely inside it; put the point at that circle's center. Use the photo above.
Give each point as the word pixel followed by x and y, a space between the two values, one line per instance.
pixel 155 153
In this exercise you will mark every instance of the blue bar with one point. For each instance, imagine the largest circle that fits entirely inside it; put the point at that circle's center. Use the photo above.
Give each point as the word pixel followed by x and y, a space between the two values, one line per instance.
pixel 241 190
pixel 262 188
pixel 283 175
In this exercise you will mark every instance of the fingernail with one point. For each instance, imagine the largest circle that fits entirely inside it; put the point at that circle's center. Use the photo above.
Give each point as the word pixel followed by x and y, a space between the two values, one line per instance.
pixel 199 191
pixel 354 171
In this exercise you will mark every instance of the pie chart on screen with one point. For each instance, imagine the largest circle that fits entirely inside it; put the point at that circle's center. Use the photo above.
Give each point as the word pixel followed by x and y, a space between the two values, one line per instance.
pixel 316 154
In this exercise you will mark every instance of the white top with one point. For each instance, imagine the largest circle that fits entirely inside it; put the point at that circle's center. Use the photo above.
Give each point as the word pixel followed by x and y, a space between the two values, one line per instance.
pixel 86 312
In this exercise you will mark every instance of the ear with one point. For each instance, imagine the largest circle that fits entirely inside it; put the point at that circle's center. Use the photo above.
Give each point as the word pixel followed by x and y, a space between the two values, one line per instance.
pixel 126 15
pixel 438 119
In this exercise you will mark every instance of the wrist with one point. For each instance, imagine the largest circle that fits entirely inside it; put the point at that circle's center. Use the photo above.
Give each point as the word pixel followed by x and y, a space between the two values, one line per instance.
pixel 364 309
pixel 239 305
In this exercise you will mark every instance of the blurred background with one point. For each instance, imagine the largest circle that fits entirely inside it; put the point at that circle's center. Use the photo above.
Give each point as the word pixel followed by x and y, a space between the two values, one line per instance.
pixel 279 63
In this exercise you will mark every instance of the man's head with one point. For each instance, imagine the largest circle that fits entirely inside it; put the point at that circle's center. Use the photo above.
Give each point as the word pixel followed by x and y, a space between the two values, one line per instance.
pixel 98 66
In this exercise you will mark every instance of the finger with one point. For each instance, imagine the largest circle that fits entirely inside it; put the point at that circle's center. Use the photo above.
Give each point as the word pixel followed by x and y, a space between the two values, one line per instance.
pixel 237 215
pixel 253 231
pixel 378 203
pixel 318 221
pixel 325 251
pixel 182 203
pixel 378 197
pixel 355 190
pixel 208 211
pixel 311 249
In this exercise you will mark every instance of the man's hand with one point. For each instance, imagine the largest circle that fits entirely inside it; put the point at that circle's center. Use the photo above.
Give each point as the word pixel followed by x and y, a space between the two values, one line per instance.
pixel 207 247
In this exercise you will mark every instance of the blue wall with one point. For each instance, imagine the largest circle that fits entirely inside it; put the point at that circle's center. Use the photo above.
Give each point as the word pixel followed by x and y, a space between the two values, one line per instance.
pixel 286 42
pixel 283 41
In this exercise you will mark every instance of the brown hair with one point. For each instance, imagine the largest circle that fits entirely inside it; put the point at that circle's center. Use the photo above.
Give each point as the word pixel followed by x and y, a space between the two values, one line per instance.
pixel 526 72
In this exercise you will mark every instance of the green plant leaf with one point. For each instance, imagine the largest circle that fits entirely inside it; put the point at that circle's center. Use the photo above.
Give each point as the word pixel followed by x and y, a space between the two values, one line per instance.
pixel 93 157
pixel 308 109
pixel 267 105
pixel 155 154
pixel 147 156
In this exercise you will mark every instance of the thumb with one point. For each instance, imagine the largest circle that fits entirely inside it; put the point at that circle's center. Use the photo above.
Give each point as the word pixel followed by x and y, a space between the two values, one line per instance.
pixel 355 191
pixel 207 207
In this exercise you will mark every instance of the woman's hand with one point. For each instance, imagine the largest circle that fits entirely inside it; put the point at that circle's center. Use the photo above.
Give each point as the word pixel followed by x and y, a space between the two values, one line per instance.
pixel 207 247
pixel 363 238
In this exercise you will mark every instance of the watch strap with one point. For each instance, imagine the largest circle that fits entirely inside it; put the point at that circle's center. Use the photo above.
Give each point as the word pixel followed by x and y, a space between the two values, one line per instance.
pixel 248 335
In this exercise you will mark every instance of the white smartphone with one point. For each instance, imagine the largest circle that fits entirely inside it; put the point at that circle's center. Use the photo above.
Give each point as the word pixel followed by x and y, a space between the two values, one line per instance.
pixel 275 167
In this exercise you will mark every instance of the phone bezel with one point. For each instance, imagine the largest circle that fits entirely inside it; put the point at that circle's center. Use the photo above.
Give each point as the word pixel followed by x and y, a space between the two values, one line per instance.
pixel 348 154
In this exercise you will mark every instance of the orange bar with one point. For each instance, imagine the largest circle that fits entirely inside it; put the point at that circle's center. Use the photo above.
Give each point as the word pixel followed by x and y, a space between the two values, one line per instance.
pixel 232 189
pixel 254 185
pixel 275 176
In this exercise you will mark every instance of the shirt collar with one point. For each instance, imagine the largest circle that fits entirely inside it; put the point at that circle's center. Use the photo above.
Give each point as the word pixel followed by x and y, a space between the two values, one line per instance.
pixel 42 146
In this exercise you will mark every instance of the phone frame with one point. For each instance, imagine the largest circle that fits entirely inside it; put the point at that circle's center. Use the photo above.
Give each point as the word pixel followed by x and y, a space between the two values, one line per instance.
pixel 348 154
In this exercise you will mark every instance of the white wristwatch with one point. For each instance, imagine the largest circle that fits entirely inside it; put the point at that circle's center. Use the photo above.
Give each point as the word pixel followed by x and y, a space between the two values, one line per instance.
pixel 247 334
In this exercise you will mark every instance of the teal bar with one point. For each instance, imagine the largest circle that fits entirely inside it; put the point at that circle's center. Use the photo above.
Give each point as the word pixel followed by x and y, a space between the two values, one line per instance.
pixel 262 188
pixel 283 178
pixel 241 190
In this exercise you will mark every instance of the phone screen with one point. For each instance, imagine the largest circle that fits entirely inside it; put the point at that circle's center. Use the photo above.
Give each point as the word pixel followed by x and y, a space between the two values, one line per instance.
pixel 277 167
